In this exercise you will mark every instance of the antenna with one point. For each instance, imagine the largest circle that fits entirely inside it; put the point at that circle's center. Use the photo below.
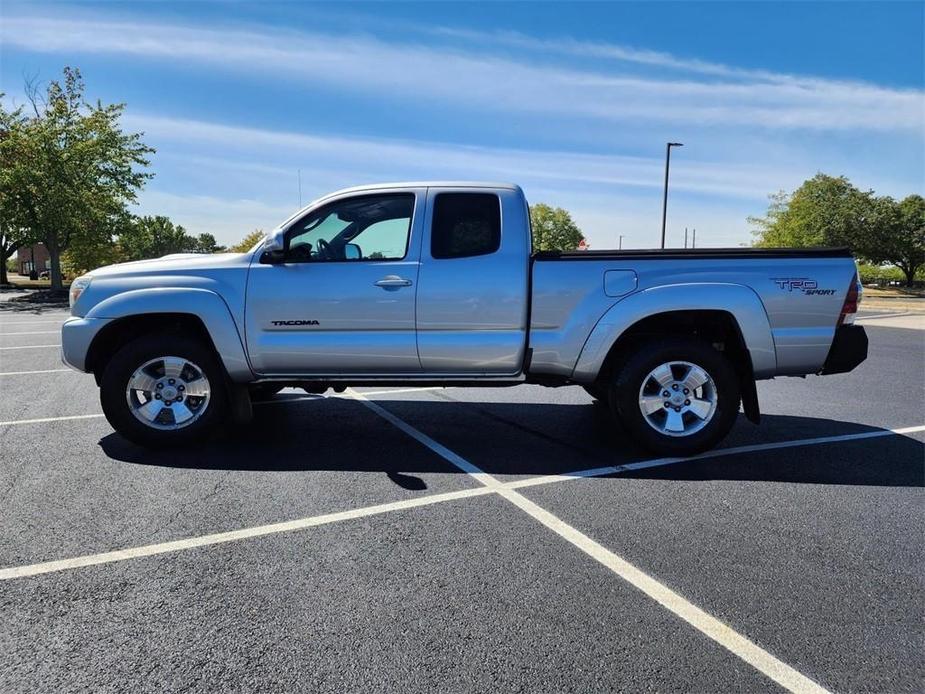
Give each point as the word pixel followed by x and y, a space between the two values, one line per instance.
pixel 694 244
pixel 685 237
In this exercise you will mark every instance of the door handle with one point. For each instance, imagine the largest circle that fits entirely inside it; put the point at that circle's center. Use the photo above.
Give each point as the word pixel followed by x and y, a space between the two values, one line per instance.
pixel 390 281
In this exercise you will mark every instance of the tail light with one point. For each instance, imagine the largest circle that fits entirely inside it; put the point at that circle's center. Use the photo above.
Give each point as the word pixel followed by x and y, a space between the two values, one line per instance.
pixel 850 308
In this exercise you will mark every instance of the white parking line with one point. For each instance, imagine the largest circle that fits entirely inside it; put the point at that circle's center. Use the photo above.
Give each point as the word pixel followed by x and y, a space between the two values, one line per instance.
pixel 708 625
pixel 33 332
pixel 4 323
pixel 44 420
pixel 233 535
pixel 40 371
pixel 715 453
pixel 713 628
pixel 30 346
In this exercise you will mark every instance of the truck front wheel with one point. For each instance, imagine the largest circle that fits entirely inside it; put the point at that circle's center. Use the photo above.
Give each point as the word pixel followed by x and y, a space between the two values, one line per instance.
pixel 161 391
pixel 676 396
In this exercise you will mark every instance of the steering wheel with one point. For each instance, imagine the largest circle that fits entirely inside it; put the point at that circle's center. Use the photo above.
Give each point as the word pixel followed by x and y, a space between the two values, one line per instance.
pixel 324 249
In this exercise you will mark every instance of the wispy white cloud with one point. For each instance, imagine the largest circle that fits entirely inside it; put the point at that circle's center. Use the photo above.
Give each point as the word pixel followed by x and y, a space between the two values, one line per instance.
pixel 376 159
pixel 608 195
pixel 477 78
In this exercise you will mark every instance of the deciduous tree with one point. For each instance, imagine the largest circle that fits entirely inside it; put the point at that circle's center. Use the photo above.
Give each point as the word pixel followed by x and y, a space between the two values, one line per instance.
pixel 553 229
pixel 68 168
pixel 247 242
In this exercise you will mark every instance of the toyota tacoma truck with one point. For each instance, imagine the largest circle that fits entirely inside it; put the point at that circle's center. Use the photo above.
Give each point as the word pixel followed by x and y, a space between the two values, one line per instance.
pixel 437 284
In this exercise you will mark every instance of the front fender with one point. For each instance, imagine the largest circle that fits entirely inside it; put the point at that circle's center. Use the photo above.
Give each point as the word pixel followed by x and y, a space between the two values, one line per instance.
pixel 206 305
pixel 740 301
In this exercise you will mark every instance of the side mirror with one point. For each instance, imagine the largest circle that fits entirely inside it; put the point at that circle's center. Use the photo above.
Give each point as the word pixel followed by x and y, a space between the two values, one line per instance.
pixel 274 248
pixel 352 252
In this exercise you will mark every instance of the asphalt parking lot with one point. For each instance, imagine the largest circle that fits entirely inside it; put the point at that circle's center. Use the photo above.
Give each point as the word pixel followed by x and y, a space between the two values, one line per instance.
pixel 419 540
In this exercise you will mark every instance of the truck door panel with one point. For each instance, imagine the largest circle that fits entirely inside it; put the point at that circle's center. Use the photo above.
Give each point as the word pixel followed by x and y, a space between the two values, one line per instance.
pixel 473 283
pixel 344 300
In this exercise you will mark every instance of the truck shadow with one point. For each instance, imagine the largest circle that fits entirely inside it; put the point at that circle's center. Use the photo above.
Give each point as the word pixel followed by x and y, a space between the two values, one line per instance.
pixel 503 438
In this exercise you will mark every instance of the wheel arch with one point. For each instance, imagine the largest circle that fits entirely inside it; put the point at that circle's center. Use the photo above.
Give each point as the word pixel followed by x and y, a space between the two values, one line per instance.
pixel 730 317
pixel 204 315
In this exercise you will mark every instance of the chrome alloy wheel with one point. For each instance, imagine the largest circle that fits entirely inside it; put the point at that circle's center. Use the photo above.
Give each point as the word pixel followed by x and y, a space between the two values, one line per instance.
pixel 168 393
pixel 678 398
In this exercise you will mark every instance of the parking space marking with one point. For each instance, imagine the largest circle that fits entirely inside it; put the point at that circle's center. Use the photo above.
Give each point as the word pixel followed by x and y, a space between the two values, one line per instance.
pixel 32 332
pixel 31 346
pixel 233 535
pixel 43 420
pixel 715 453
pixel 40 371
pixel 31 322
pixel 710 626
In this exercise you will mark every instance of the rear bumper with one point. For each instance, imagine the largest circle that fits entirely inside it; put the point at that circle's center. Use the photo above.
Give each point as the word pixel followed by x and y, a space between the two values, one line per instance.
pixel 849 348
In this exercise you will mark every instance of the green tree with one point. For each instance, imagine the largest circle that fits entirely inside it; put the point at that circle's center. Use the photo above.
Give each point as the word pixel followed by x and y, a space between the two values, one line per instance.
pixel 899 235
pixel 824 211
pixel 206 243
pixel 153 237
pixel 553 229
pixel 830 211
pixel 247 242
pixel 68 170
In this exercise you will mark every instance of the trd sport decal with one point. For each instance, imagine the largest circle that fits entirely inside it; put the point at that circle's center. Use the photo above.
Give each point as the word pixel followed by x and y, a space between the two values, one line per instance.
pixel 801 284
pixel 294 322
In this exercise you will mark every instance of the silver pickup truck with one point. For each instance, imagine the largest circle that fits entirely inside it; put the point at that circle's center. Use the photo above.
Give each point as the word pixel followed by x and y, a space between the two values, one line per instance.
pixel 437 284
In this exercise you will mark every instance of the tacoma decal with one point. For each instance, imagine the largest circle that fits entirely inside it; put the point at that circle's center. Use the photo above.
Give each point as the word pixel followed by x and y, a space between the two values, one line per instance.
pixel 294 322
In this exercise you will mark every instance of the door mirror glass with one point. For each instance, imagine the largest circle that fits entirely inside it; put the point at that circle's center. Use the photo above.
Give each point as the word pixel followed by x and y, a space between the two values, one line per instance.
pixel 352 251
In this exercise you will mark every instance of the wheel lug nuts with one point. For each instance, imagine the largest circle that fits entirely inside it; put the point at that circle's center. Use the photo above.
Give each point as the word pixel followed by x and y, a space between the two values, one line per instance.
pixel 667 406
pixel 665 394
pixel 677 409
pixel 674 387
pixel 181 388
pixel 686 391
pixel 687 402
pixel 171 381
pixel 159 386
pixel 157 396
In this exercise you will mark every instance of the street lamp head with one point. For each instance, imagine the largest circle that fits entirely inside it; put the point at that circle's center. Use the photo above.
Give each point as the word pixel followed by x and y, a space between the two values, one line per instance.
pixel 675 144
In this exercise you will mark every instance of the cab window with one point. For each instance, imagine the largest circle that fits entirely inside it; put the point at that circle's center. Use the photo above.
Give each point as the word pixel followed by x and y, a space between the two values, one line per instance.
pixel 369 227
pixel 465 225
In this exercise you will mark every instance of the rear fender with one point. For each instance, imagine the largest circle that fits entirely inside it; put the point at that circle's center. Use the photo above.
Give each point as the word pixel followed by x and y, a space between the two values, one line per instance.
pixel 740 301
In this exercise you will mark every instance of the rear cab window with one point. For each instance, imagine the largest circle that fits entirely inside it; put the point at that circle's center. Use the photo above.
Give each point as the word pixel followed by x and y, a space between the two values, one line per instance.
pixel 465 225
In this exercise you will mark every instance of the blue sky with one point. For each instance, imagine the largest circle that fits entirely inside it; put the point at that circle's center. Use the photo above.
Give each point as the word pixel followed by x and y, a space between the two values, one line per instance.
pixel 573 101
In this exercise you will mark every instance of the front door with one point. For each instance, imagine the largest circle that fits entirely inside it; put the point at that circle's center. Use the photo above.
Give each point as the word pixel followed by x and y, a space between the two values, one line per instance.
pixel 343 299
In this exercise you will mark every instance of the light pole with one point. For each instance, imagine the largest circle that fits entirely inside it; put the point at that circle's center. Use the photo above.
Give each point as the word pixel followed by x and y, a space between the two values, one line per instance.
pixel 668 146
pixel 620 246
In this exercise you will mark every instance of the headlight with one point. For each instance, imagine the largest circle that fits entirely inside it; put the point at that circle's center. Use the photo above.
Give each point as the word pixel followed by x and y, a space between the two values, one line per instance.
pixel 77 288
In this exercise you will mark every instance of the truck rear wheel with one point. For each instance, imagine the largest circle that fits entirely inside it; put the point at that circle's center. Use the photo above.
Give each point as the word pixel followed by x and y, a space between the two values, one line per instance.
pixel 676 396
pixel 162 391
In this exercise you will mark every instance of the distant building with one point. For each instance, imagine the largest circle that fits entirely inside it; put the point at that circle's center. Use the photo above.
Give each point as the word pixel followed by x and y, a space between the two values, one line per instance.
pixel 34 257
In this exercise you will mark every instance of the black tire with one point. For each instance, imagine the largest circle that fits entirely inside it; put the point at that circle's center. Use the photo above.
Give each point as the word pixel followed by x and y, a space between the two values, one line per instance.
pixel 264 391
pixel 647 356
pixel 133 355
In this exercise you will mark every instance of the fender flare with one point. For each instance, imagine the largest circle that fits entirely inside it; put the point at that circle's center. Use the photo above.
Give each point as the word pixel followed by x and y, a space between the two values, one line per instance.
pixel 203 304
pixel 740 301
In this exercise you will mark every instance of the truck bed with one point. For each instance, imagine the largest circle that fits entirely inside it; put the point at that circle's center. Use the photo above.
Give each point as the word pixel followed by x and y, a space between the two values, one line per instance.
pixel 786 302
